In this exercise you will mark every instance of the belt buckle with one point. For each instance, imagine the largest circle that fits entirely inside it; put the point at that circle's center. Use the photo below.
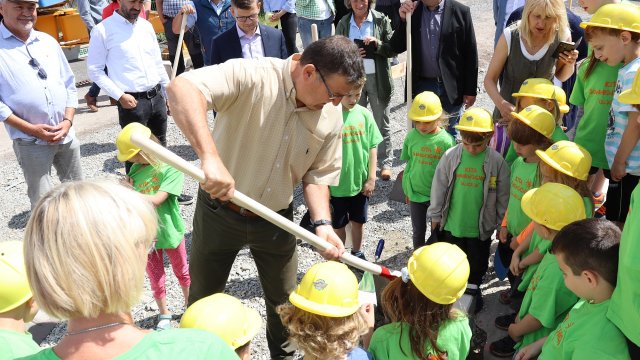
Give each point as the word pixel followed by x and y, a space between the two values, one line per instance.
pixel 151 93
pixel 244 212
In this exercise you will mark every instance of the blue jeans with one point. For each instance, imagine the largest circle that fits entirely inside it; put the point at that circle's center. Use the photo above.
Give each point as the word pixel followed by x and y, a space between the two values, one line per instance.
pixel 304 28
pixel 437 87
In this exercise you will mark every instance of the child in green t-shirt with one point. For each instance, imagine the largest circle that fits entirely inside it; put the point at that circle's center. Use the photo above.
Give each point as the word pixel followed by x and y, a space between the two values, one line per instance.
pixel 544 93
pixel 225 316
pixel 587 254
pixel 325 319
pixel 551 207
pixel 470 193
pixel 350 198
pixel 422 149
pixel 530 130
pixel 17 306
pixel 161 184
pixel 424 322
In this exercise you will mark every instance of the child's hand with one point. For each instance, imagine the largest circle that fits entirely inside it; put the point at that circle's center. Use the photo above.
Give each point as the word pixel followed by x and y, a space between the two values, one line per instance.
pixel 515 264
pixel 503 235
pixel 369 186
pixel 618 170
pixel 126 181
pixel 528 352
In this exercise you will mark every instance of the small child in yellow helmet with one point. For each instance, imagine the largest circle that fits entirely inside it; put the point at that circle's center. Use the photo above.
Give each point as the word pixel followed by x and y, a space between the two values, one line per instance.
pixel 470 193
pixel 547 300
pixel 324 319
pixel 587 254
pixel 567 163
pixel 423 147
pixel 225 316
pixel 424 323
pixel 614 35
pixel 17 306
pixel 530 130
pixel 541 92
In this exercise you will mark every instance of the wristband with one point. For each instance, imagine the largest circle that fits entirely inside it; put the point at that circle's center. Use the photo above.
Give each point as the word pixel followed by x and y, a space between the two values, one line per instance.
pixel 321 222
pixel 69 120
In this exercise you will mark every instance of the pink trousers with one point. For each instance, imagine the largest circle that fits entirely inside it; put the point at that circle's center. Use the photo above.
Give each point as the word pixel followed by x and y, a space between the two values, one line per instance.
pixel 155 268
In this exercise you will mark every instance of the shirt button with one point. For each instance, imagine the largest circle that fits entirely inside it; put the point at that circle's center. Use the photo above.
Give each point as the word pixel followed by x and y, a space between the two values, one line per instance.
pixel 286 137
pixel 268 189
pixel 277 165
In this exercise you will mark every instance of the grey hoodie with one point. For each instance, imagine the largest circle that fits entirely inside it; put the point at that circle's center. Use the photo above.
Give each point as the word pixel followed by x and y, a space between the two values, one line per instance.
pixel 496 190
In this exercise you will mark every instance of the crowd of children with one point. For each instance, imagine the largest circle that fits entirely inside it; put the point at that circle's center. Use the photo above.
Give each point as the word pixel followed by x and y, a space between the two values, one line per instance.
pixel 577 277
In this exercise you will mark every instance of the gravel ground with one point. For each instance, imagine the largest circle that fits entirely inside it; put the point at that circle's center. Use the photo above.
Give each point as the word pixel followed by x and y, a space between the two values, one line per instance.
pixel 387 220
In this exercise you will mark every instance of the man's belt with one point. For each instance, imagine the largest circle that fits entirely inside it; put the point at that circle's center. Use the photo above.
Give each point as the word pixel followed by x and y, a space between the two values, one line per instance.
pixel 149 94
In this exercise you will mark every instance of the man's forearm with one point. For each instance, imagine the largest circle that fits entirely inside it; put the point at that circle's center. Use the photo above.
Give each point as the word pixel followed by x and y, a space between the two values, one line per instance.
pixel 317 198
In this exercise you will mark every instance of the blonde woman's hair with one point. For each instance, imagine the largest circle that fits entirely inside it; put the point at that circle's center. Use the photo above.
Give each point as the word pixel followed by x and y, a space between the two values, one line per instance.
pixel 322 337
pixel 85 248
pixel 554 9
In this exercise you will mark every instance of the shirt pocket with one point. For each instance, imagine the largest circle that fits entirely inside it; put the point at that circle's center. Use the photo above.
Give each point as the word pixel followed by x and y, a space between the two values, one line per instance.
pixel 306 147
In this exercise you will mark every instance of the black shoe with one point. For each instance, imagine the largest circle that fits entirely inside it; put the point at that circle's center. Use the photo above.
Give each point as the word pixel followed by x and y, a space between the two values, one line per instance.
pixel 503 347
pixel 185 199
pixel 359 254
pixel 502 322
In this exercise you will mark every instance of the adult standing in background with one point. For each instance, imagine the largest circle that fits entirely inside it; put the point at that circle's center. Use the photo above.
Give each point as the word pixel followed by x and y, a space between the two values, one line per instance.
pixel 167 11
pixel 319 12
pixel 38 100
pixel 285 12
pixel 502 10
pixel 374 30
pixel 91 12
pixel 444 54
pixel 214 18
pixel 285 113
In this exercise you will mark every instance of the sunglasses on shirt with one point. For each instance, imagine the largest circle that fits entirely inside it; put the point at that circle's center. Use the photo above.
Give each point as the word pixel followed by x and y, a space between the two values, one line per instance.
pixel 36 65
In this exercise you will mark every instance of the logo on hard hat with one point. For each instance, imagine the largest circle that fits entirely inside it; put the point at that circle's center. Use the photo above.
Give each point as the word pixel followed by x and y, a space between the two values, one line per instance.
pixel 422 107
pixel 319 284
pixel 555 147
pixel 469 118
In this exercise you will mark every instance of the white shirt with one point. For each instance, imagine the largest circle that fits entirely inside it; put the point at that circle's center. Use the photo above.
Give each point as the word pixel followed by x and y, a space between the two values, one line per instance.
pixel 251 45
pixel 130 51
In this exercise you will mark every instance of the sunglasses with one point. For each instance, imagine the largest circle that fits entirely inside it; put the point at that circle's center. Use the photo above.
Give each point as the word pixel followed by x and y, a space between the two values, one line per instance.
pixel 36 65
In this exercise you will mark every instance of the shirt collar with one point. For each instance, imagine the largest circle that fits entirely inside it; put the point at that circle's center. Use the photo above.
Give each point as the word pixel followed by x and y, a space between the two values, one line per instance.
pixel 369 18
pixel 438 8
pixel 6 33
pixel 242 34
pixel 289 87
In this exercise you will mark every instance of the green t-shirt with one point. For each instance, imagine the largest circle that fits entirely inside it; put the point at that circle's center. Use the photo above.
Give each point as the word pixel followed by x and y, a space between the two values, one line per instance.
pixel 543 246
pixel 625 302
pixel 547 299
pixel 14 344
pixel 360 134
pixel 168 344
pixel 524 177
pixel 149 180
pixel 422 154
pixel 595 95
pixel 391 341
pixel 467 196
pixel 586 333
pixel 512 155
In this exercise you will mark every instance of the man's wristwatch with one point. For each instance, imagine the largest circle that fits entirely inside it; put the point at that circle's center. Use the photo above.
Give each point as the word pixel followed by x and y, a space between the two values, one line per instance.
pixel 321 222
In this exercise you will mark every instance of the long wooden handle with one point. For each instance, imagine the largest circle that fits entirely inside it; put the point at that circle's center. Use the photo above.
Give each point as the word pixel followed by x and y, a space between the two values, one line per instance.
pixel 246 202
pixel 409 71
pixel 183 25
pixel 314 32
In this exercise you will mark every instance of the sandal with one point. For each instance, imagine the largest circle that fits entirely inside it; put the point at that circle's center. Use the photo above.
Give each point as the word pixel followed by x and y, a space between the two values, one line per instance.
pixel 503 347
pixel 502 322
pixel 164 322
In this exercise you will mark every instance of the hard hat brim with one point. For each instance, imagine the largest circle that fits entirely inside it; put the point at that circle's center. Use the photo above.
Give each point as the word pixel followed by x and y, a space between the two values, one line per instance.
pixel 584 25
pixel 255 321
pixel 472 129
pixel 321 309
pixel 527 205
pixel 554 164
pixel 629 97
pixel 426 118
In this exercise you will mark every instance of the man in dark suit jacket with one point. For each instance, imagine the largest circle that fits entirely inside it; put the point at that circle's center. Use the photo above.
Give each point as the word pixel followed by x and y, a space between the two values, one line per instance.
pixel 444 53
pixel 248 39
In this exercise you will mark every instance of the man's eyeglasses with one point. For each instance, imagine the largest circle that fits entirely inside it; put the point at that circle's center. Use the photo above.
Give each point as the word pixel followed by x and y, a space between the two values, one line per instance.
pixel 36 65
pixel 332 96
pixel 252 17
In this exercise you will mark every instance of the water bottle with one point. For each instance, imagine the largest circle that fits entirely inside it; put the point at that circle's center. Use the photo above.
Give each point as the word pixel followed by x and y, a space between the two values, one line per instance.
pixel 379 249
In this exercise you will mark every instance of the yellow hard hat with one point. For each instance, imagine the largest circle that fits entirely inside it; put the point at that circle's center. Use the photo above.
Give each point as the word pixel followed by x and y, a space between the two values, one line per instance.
pixel 440 271
pixel 543 89
pixel 538 119
pixel 616 16
pixel 425 107
pixel 225 316
pixel 568 158
pixel 126 150
pixel 632 95
pixel 476 120
pixel 553 205
pixel 14 286
pixel 328 289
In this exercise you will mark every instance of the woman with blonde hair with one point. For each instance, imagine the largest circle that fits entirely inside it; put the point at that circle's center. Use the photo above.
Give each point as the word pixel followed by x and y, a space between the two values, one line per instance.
pixel 525 50
pixel 85 251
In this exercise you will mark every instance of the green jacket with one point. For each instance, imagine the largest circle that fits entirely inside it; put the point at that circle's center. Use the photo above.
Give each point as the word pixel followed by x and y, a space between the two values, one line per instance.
pixel 381 31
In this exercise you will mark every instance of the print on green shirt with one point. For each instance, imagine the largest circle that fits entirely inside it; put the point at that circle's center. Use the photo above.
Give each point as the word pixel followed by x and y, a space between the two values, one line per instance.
pixel 467 196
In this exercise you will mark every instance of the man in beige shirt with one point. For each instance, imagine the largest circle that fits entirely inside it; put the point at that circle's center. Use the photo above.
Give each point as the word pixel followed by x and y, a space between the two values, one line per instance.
pixel 274 128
